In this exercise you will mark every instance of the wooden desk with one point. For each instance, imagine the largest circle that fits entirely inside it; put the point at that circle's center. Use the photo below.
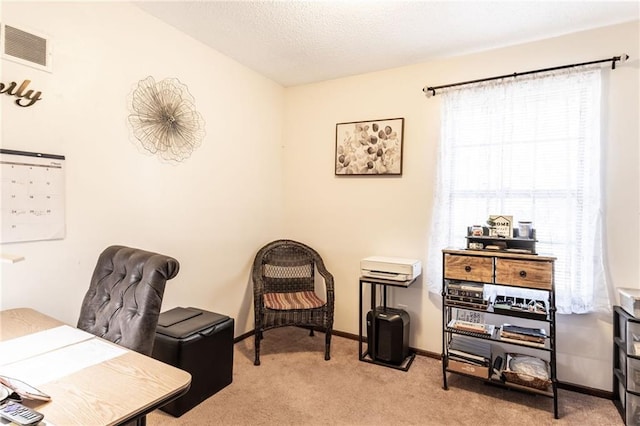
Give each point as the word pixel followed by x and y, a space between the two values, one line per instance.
pixel 113 392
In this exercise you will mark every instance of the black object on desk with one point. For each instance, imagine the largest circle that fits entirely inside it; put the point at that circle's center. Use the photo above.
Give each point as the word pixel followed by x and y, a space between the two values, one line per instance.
pixel 388 330
pixel 201 343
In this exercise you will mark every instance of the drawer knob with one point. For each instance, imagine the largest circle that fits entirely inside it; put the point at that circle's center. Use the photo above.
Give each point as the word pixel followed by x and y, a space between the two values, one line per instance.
pixel 523 274
pixel 467 268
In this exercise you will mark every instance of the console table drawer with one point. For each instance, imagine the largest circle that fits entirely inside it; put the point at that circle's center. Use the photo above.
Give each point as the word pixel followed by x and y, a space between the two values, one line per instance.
pixel 521 273
pixel 468 268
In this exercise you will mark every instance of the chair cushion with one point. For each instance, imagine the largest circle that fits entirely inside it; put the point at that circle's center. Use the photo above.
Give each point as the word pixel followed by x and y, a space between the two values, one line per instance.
pixel 297 300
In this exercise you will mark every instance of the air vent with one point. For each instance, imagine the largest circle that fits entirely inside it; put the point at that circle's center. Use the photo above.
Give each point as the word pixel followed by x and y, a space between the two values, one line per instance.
pixel 26 48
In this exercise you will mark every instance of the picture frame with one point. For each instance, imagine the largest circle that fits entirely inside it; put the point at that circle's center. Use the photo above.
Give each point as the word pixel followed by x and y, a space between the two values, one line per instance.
pixel 371 148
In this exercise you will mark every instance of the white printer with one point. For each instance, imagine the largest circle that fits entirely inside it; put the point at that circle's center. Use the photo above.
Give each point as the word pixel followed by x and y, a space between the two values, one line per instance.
pixel 390 268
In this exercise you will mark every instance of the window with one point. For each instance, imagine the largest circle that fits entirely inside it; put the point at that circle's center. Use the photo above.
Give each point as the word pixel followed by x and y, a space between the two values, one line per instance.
pixel 529 148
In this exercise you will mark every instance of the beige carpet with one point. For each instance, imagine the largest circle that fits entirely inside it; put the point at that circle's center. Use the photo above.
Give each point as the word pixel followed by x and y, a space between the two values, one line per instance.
pixel 295 386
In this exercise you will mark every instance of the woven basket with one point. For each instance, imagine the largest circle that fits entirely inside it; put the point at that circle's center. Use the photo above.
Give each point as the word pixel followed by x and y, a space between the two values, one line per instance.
pixel 524 379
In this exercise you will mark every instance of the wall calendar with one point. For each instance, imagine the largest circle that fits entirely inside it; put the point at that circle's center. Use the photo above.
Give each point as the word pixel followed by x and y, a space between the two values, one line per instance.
pixel 33 196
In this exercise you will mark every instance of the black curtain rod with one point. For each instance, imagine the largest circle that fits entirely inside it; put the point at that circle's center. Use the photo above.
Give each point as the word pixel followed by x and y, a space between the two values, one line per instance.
pixel 431 90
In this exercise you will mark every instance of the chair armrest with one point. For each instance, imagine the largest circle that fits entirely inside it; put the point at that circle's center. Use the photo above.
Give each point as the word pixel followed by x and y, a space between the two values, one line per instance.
pixel 328 280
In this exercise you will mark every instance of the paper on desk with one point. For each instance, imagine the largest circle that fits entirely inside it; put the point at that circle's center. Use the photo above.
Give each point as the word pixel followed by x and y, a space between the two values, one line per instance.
pixel 38 343
pixel 61 362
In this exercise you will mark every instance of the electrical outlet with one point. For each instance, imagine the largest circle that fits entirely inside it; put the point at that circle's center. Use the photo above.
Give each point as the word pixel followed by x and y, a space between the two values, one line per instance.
pixel 401 306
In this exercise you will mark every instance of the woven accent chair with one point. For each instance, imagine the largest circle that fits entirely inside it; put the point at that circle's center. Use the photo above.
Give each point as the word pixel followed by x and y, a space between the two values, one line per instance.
pixel 283 291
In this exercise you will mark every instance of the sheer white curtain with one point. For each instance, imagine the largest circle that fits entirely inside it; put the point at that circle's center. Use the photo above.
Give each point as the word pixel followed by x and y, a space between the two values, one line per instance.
pixel 530 148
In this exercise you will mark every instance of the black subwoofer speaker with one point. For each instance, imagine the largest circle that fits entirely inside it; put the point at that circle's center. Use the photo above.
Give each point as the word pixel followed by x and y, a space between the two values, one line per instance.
pixel 392 334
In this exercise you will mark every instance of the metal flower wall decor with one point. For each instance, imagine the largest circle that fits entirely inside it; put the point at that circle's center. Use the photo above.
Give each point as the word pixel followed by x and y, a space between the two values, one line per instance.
pixel 164 119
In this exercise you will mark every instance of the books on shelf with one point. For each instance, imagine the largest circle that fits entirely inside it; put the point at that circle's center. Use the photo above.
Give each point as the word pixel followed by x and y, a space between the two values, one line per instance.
pixel 523 342
pixel 523 335
pixel 473 327
pixel 468 349
pixel 529 336
pixel 467 357
pixel 536 333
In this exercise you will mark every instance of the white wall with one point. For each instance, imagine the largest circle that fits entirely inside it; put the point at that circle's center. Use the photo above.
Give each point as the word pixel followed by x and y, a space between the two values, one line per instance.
pixel 240 189
pixel 348 218
pixel 211 212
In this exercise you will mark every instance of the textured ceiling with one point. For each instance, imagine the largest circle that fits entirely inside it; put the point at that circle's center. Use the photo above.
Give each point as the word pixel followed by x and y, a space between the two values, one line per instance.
pixel 299 42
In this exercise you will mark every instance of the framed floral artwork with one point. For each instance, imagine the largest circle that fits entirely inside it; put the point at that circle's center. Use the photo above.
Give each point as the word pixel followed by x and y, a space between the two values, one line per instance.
pixel 369 147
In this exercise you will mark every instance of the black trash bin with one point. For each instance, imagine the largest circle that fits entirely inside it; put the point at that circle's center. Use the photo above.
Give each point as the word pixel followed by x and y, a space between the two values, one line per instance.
pixel 201 343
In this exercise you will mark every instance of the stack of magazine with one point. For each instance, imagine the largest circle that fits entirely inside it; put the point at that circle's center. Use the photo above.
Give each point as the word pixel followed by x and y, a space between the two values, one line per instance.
pixel 523 335
pixel 466 294
pixel 472 327
pixel 470 350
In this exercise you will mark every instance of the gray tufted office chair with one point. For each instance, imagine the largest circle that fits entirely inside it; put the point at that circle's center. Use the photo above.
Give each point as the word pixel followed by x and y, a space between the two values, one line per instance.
pixel 124 298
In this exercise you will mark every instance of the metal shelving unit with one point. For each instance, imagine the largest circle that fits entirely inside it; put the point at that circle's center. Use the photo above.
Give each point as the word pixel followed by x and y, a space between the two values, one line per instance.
pixel 502 269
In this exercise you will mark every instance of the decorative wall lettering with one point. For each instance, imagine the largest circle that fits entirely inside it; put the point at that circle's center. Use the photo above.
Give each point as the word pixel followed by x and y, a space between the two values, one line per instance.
pixel 12 89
